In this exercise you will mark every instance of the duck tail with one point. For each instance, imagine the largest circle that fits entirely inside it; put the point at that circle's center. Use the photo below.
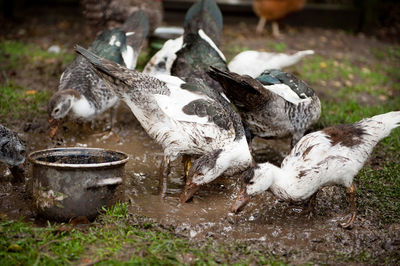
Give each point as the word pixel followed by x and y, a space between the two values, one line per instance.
pixel 106 69
pixel 207 16
pixel 289 60
pixel 94 59
pixel 242 90
pixel 380 126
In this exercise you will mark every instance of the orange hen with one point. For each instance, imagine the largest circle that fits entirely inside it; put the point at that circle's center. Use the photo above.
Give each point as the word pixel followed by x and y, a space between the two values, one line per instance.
pixel 272 10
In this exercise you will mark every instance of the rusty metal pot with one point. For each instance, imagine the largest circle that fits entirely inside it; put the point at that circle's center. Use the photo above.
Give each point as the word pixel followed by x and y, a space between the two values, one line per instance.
pixel 71 182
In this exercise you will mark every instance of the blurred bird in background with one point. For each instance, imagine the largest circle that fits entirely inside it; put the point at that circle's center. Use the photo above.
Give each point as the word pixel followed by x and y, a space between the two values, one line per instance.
pixel 272 10
pixel 99 12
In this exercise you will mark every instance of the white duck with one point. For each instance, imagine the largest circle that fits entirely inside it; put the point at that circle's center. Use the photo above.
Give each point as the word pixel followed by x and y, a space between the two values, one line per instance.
pixel 186 118
pixel 253 63
pixel 332 156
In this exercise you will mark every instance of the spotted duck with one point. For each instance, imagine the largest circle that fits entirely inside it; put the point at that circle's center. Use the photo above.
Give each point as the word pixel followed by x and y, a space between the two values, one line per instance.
pixel 332 156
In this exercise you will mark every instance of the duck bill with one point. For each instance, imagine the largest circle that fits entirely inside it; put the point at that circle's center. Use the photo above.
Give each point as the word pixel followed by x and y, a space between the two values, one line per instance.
pixel 189 191
pixel 242 199
pixel 54 125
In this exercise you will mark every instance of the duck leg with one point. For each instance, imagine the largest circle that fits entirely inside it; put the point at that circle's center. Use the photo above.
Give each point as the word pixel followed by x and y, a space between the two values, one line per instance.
pixel 260 25
pixel 311 205
pixel 187 163
pixel 353 208
pixel 165 169
pixel 110 127
pixel 275 29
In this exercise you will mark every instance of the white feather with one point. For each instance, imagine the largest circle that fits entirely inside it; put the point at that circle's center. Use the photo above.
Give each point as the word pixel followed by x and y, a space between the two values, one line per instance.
pixel 167 55
pixel 286 93
pixel 172 104
pixel 82 108
pixel 253 63
pixel 205 37
pixel 113 39
pixel 129 57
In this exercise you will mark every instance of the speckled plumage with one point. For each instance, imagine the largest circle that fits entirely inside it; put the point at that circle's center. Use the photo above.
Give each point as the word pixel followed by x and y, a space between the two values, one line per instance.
pixel 186 118
pixel 12 148
pixel 82 94
pixel 332 156
pixel 274 105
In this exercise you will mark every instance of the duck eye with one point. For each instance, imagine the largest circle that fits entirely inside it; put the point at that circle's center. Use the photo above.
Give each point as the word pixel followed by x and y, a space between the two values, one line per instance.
pixel 251 182
pixel 57 110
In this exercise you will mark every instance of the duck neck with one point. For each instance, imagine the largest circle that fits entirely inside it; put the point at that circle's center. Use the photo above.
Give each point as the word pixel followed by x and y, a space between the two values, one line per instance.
pixel 267 175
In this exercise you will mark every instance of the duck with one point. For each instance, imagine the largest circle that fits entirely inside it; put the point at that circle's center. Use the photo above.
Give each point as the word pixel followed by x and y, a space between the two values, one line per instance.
pixel 331 156
pixel 276 104
pixel 186 117
pixel 100 12
pixel 272 10
pixel 81 94
pixel 253 63
pixel 202 36
pixel 12 152
pixel 190 55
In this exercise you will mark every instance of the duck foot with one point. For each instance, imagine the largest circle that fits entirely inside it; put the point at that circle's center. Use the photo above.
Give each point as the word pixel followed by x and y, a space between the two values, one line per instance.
pixel 107 134
pixel 353 208
pixel 349 223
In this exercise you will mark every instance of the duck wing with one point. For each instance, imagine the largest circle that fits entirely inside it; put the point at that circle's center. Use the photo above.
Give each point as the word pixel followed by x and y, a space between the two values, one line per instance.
pixel 245 92
pixel 276 76
pixel 194 59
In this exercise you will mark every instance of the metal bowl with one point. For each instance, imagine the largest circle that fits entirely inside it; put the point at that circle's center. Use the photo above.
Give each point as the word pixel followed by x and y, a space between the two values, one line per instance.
pixel 71 182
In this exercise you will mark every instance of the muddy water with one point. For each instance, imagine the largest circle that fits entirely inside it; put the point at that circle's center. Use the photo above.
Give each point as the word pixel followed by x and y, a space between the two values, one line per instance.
pixel 279 226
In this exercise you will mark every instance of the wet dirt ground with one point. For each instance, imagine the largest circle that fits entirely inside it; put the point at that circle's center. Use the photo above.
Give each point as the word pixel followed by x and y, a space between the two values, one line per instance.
pixel 282 228
pixel 265 223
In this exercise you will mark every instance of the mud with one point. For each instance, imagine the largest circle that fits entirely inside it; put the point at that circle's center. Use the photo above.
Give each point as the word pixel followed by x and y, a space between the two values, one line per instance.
pixel 280 227
pixel 264 224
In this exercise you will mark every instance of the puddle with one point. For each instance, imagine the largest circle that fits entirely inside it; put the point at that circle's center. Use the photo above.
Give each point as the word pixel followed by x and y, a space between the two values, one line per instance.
pixel 279 226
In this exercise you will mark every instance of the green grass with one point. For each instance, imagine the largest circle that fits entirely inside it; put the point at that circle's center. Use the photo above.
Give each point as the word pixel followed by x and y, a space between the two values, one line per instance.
pixel 17 102
pixel 378 185
pixel 16 54
pixel 111 239
pixel 278 47
pixel 16 59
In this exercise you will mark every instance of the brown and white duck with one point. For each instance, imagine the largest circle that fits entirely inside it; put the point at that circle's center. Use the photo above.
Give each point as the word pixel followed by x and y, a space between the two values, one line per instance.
pixel 332 156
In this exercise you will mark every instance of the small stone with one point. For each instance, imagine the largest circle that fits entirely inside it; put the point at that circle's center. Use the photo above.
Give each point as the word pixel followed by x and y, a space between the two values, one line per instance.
pixel 54 49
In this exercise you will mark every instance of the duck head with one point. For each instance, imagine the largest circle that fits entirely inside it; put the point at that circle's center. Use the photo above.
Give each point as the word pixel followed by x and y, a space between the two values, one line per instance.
pixel 204 170
pixel 58 107
pixel 255 180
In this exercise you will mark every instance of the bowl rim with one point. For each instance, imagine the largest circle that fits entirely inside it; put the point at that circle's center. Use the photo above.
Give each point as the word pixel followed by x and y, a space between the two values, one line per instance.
pixel 82 165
